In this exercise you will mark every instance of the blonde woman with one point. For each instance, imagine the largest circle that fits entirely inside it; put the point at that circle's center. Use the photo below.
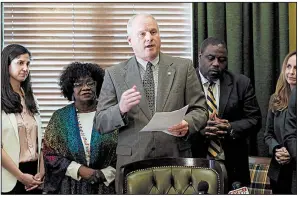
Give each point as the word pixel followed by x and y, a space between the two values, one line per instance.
pixel 280 170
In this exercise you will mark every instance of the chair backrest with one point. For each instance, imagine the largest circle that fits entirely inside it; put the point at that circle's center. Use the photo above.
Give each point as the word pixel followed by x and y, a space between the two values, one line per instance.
pixel 171 176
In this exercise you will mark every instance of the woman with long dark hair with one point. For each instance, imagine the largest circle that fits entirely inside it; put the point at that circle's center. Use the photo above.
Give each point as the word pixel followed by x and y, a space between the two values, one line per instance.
pixel 281 166
pixel 22 162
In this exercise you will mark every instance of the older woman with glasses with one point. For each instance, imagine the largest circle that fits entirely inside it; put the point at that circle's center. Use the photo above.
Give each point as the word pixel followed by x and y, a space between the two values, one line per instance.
pixel 78 158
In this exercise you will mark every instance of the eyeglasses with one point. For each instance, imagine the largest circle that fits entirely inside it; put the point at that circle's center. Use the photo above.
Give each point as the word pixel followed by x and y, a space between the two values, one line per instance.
pixel 90 84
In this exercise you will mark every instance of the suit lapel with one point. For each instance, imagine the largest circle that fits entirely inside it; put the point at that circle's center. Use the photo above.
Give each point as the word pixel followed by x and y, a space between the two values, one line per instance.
pixel 14 123
pixel 226 86
pixel 132 77
pixel 166 76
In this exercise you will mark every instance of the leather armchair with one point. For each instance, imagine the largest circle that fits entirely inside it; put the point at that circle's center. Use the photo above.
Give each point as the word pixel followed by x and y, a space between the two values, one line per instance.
pixel 171 176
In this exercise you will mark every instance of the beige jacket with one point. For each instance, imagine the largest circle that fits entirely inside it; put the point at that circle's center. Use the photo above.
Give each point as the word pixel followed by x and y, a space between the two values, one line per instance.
pixel 11 144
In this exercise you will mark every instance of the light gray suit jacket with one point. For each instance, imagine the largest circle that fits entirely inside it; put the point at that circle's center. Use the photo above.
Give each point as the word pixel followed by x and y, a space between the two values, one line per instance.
pixel 178 86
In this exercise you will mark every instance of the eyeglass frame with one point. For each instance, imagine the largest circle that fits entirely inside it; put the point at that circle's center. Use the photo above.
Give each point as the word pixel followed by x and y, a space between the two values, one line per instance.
pixel 81 84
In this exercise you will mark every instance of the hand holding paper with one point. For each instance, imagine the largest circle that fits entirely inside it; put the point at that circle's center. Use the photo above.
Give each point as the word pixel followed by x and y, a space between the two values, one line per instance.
pixel 180 129
pixel 162 121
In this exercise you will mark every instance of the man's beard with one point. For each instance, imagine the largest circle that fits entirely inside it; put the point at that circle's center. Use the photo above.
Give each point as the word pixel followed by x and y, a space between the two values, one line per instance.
pixel 214 74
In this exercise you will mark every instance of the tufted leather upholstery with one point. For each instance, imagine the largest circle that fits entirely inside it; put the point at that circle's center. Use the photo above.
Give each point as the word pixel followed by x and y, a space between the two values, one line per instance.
pixel 171 176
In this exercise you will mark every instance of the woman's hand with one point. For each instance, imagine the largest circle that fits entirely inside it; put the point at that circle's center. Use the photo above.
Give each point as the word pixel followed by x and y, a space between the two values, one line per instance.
pixel 85 172
pixel 28 180
pixel 37 177
pixel 282 156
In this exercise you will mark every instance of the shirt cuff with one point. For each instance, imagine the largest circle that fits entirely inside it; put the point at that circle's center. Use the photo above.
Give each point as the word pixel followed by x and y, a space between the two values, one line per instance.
pixel 109 174
pixel 72 170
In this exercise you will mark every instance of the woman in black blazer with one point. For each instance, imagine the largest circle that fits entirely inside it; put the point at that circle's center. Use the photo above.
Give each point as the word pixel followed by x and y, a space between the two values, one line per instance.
pixel 281 166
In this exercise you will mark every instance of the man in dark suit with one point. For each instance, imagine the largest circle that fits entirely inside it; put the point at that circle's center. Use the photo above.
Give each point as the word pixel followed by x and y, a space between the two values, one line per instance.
pixel 290 134
pixel 234 113
pixel 131 93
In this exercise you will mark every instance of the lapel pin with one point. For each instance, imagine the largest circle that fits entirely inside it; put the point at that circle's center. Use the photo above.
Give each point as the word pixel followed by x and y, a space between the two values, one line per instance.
pixel 169 73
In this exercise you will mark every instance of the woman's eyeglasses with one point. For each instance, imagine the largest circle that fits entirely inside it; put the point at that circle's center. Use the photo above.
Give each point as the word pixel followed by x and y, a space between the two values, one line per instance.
pixel 80 84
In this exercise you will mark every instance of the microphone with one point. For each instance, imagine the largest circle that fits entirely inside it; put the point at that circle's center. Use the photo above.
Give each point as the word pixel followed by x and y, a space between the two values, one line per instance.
pixel 237 189
pixel 236 185
pixel 203 188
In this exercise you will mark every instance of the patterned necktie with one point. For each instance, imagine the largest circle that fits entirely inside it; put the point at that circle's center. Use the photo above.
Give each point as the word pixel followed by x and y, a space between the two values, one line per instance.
pixel 214 147
pixel 148 83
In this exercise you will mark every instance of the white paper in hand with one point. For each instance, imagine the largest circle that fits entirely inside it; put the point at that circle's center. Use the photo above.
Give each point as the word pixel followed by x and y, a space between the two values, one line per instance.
pixel 161 121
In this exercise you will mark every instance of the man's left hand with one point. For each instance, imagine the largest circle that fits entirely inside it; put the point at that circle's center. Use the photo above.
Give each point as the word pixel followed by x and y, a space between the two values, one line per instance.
pixel 180 129
pixel 224 126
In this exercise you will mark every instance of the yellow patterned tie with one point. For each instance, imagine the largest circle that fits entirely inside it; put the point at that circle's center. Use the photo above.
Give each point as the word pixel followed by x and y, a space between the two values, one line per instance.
pixel 214 147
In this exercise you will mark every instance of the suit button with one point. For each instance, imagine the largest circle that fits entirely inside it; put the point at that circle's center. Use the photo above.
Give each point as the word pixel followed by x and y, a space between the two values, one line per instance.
pixel 153 149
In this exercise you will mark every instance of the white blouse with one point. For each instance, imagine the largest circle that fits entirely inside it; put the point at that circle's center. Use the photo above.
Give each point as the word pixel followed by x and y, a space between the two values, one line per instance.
pixel 73 168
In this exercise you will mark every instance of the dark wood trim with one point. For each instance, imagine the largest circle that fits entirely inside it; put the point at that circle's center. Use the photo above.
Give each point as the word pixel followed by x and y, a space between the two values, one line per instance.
pixel 259 160
pixel 195 25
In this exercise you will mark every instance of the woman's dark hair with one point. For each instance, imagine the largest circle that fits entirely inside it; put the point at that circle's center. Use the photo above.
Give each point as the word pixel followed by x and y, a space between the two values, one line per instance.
pixel 10 100
pixel 76 70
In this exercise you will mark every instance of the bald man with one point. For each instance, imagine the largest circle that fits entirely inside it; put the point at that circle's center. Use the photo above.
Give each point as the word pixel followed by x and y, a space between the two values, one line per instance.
pixel 146 83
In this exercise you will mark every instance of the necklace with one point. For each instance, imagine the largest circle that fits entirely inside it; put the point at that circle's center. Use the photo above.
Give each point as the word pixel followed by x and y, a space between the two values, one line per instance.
pixel 89 109
pixel 83 136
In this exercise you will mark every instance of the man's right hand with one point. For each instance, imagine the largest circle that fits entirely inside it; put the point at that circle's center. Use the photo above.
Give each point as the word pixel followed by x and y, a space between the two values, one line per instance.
pixel 214 128
pixel 210 130
pixel 129 99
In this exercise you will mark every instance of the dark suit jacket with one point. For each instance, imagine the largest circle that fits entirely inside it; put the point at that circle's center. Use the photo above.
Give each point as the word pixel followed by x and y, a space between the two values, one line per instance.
pixel 239 105
pixel 178 86
pixel 275 127
pixel 290 135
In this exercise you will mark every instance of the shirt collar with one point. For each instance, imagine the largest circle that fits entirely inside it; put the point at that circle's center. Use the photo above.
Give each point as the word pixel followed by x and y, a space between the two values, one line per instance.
pixel 143 63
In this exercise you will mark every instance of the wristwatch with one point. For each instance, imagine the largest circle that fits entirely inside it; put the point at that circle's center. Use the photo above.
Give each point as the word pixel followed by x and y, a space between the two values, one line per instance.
pixel 96 177
pixel 231 133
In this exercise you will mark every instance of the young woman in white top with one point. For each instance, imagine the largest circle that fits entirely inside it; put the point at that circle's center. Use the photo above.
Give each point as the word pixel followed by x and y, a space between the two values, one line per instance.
pixel 22 162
